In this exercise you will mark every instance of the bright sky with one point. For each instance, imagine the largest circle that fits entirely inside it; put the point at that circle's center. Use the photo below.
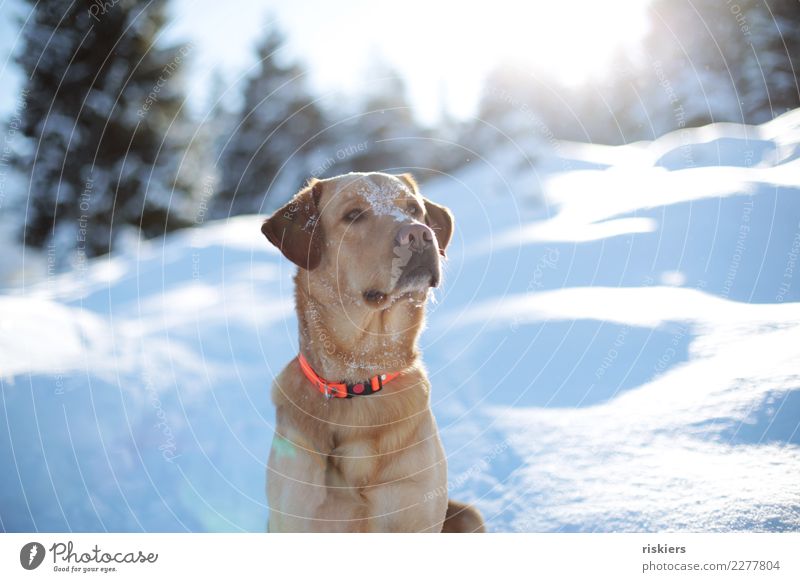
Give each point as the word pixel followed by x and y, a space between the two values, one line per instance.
pixel 443 48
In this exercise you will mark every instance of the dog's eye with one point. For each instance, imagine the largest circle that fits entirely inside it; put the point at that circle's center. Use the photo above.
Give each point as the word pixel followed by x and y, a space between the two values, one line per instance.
pixel 413 210
pixel 354 215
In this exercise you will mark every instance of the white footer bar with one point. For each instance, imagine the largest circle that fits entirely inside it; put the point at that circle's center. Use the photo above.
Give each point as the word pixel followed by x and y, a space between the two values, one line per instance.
pixel 386 557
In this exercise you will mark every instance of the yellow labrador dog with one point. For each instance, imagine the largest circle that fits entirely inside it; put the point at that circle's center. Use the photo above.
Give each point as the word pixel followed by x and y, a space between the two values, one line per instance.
pixel 356 447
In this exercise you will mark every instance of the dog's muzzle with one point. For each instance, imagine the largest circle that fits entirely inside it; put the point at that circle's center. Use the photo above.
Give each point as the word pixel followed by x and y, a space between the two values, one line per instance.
pixel 416 258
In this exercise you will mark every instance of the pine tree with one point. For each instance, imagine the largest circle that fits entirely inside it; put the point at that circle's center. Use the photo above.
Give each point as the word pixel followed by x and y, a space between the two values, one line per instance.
pixel 101 97
pixel 270 151
pixel 385 133
pixel 526 107
pixel 706 61
pixel 770 83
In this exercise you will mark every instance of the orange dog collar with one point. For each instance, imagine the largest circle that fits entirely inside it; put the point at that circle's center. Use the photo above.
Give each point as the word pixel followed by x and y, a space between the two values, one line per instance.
pixel 343 389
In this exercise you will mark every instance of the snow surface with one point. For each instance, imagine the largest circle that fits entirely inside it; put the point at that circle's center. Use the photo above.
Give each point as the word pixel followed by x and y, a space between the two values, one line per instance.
pixel 622 357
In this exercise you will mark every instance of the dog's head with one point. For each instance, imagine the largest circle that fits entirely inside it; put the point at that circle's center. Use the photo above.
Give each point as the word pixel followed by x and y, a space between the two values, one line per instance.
pixel 373 234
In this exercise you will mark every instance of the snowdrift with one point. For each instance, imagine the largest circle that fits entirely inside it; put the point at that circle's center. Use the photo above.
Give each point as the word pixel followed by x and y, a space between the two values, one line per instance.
pixel 615 348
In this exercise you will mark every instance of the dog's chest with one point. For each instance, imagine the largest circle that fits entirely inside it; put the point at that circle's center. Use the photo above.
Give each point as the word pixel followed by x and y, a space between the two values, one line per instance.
pixel 355 463
pixel 371 480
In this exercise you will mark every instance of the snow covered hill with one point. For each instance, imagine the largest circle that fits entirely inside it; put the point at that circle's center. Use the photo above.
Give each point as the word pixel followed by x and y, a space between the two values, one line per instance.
pixel 621 357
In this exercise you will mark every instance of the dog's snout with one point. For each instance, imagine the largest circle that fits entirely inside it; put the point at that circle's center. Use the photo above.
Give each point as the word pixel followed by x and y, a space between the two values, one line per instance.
pixel 414 234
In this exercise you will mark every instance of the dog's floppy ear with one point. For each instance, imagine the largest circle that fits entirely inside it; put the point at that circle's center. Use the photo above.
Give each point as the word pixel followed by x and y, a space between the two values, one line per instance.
pixel 438 217
pixel 295 228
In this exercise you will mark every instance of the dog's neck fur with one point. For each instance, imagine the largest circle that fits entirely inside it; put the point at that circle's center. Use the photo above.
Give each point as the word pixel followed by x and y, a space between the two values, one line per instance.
pixel 360 342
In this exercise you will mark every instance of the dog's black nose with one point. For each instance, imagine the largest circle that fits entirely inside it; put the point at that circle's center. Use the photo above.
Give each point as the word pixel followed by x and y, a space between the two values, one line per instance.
pixel 416 234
